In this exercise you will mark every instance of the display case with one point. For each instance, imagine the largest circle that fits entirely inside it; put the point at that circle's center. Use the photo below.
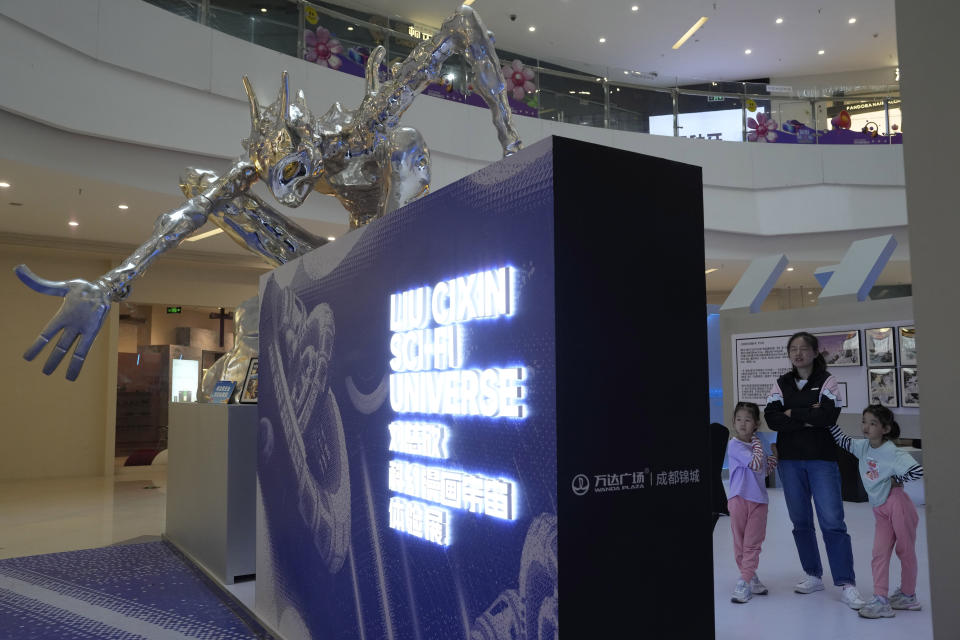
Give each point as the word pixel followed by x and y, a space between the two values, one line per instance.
pixel 147 381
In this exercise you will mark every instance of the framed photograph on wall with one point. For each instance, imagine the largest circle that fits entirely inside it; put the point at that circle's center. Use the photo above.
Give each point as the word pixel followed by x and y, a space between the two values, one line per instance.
pixel 844 403
pixel 840 348
pixel 879 347
pixel 909 387
pixel 908 345
pixel 251 384
pixel 882 386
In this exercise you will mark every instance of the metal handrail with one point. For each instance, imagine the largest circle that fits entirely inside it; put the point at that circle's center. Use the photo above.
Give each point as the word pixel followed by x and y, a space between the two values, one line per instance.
pixel 605 82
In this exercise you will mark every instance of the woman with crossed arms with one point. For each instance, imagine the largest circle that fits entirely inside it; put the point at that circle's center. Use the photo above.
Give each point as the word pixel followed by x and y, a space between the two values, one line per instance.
pixel 801 407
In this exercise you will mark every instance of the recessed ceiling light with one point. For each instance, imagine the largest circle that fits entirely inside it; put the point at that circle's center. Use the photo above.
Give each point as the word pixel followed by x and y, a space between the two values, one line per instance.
pixel 852 21
pixel 779 20
pixel 692 30
pixel 349 28
pixel 122 206
pixel 789 268
pixel 748 51
pixel 821 52
pixel 711 270
pixel 602 40
pixel 634 8
pixel 4 185
pixel 263 9
pixel 73 223
pixel 331 238
pixel 531 28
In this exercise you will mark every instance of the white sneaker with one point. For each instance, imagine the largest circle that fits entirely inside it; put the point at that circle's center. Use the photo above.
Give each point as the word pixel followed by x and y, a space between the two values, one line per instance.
pixel 809 584
pixel 741 593
pixel 851 597
pixel 757 588
pixel 900 601
pixel 878 608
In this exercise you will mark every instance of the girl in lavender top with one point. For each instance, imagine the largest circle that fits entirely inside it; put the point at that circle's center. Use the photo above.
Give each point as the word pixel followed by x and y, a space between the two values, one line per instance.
pixel 749 467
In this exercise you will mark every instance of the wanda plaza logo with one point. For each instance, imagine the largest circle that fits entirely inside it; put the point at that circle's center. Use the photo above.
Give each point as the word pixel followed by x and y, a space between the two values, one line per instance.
pixel 633 480
pixel 581 484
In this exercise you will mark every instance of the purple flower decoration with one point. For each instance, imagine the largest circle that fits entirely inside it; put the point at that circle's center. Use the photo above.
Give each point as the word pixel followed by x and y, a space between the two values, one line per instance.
pixel 763 129
pixel 322 49
pixel 518 80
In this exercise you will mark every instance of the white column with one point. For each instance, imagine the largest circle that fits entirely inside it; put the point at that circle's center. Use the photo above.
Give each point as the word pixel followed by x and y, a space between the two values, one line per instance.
pixel 926 39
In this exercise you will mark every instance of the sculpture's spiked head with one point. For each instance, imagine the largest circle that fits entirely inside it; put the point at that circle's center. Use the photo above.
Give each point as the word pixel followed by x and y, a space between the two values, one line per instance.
pixel 282 145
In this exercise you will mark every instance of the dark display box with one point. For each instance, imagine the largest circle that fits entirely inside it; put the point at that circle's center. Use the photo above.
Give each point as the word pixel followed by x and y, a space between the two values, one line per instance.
pixel 502 384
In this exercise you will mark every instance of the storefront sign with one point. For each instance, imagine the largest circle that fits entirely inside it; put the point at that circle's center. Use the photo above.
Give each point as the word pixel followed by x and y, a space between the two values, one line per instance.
pixel 780 89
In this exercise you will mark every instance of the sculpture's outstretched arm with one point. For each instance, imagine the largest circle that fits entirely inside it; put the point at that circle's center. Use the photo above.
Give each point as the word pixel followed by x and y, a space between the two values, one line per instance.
pixel 85 304
pixel 252 223
pixel 464 33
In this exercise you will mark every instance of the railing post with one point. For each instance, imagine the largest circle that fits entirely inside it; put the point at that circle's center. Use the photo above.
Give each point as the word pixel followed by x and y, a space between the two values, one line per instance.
pixel 675 98
pixel 204 12
pixel 537 78
pixel 886 117
pixel 606 104
pixel 743 115
pixel 302 26
pixel 813 114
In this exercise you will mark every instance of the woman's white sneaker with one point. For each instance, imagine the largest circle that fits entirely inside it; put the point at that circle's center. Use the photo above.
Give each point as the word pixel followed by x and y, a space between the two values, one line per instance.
pixel 851 597
pixel 809 584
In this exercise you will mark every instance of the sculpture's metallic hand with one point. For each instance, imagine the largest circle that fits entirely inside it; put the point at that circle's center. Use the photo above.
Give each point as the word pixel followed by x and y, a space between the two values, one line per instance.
pixel 85 304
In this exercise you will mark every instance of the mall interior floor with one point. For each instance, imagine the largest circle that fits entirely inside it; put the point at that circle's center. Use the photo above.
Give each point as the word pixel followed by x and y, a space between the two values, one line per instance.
pixel 63 514
pixel 787 615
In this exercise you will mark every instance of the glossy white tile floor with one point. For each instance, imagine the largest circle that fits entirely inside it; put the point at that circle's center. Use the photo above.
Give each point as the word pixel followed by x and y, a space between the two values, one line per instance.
pixel 64 514
pixel 786 615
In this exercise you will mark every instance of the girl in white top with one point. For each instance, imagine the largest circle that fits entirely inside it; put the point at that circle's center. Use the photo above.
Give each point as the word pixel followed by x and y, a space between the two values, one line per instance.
pixel 883 469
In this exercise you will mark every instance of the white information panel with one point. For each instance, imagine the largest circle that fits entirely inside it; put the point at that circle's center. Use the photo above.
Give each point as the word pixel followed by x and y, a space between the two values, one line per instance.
pixel 759 362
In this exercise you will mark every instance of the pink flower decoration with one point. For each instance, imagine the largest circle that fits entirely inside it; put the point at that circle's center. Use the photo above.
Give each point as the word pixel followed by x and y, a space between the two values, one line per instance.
pixel 519 80
pixel 322 49
pixel 763 129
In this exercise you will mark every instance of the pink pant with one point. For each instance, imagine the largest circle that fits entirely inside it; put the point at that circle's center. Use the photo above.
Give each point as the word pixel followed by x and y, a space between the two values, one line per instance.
pixel 748 520
pixel 896 529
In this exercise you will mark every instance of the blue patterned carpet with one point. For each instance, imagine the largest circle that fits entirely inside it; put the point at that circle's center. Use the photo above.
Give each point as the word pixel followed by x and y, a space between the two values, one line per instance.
pixel 130 592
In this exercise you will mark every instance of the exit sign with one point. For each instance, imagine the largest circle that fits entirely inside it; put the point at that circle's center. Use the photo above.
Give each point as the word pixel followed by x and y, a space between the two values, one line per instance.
pixel 714 98
pixel 174 309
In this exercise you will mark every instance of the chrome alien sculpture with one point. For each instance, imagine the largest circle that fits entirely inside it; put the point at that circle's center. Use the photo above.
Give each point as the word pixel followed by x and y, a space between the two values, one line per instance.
pixel 246 344
pixel 362 157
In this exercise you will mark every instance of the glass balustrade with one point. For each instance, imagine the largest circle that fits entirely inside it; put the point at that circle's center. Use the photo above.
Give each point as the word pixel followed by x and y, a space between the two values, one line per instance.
pixel 342 38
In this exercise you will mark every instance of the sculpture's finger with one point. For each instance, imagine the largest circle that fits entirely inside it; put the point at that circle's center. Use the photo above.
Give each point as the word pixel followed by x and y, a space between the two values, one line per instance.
pixel 53 328
pixel 79 355
pixel 40 285
pixel 60 350
pixel 35 348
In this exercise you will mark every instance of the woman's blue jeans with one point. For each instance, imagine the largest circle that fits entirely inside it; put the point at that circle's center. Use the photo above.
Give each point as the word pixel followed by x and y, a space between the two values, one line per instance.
pixel 820 480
